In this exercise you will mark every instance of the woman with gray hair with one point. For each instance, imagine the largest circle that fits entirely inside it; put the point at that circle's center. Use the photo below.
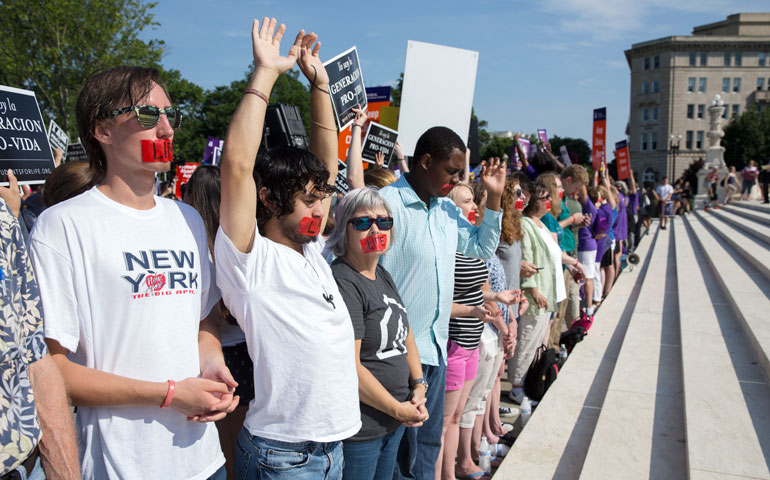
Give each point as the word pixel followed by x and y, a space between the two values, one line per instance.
pixel 390 384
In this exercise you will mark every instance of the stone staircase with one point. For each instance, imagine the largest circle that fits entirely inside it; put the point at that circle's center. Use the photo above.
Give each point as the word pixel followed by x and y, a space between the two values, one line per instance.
pixel 672 380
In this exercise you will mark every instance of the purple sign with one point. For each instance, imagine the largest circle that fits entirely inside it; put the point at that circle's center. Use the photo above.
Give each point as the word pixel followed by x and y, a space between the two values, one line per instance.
pixel 542 136
pixel 213 151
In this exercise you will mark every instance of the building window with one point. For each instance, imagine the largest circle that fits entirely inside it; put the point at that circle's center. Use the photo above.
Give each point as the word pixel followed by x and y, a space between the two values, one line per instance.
pixel 691 84
pixel 736 85
pixel 736 110
pixel 699 140
pixel 725 85
pixel 760 84
pixel 656 61
pixel 644 142
pixel 703 59
pixel 762 59
pixel 693 58
pixel 702 84
pixel 646 63
pixel 688 140
pixel 654 113
pixel 727 59
pixel 690 110
pixel 738 59
pixel 645 87
pixel 655 86
pixel 724 113
pixel 645 114
pixel 654 141
pixel 701 110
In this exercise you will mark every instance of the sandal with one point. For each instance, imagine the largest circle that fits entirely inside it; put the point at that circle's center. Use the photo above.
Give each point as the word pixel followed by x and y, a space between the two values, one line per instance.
pixel 475 476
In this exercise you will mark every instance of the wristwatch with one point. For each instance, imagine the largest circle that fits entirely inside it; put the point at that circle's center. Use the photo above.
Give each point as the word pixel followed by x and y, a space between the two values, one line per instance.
pixel 419 381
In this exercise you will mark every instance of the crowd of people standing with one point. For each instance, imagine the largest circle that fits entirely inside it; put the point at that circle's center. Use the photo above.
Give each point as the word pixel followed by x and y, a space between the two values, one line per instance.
pixel 267 326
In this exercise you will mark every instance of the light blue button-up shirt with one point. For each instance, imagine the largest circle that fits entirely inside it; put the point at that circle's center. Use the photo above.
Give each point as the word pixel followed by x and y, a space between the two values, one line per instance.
pixel 422 260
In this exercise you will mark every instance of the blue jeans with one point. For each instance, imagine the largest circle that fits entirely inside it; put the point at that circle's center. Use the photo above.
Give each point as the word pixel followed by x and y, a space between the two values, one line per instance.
pixel 420 447
pixel 262 458
pixel 220 474
pixel 37 472
pixel 372 459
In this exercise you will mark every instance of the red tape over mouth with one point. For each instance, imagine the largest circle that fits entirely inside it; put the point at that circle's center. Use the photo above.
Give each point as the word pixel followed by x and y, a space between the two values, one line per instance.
pixel 161 150
pixel 472 216
pixel 374 243
pixel 445 189
pixel 519 205
pixel 310 226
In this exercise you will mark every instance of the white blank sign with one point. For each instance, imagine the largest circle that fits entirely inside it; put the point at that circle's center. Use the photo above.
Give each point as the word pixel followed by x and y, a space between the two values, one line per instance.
pixel 438 91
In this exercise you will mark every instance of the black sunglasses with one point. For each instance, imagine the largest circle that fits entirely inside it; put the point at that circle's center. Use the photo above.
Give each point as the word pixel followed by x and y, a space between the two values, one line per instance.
pixel 365 223
pixel 148 115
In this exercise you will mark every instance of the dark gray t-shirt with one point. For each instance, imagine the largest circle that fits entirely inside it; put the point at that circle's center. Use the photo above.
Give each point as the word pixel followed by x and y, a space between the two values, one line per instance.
pixel 510 257
pixel 376 307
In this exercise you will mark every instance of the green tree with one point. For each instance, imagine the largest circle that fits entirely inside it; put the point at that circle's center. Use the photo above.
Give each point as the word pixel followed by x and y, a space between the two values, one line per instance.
pixel 395 92
pixel 51 46
pixel 577 145
pixel 495 147
pixel 747 137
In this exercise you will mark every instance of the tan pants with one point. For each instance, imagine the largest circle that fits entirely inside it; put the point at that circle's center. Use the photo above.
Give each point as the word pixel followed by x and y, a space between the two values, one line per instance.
pixel 531 330
pixel 569 310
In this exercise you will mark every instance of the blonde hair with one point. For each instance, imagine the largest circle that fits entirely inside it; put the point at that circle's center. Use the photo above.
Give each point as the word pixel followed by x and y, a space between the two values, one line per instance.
pixel 549 180
pixel 378 177
pixel 453 193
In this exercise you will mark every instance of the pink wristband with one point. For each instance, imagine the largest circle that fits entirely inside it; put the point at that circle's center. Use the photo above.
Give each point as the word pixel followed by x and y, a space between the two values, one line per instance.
pixel 170 395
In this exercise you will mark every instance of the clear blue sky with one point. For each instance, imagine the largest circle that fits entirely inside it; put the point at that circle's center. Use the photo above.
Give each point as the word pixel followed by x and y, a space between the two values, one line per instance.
pixel 543 64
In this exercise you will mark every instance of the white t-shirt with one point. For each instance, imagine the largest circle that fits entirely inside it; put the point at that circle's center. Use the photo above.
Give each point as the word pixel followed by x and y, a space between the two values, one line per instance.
pixel 302 346
pixel 664 191
pixel 125 290
pixel 555 250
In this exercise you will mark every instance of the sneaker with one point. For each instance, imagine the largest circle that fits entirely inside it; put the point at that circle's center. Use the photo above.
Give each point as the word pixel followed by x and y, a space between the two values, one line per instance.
pixel 506 412
pixel 705 209
pixel 517 399
pixel 715 207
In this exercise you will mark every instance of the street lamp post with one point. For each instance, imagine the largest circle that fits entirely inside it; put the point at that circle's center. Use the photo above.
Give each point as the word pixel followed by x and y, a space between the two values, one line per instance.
pixel 673 149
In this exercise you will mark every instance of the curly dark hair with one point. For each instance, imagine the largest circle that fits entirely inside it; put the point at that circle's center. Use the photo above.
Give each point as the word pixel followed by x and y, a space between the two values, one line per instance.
pixel 439 142
pixel 285 171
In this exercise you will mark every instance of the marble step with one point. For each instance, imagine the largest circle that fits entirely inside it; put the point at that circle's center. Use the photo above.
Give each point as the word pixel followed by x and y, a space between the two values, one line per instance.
pixel 759 231
pixel 640 432
pixel 726 397
pixel 760 217
pixel 554 442
pixel 756 206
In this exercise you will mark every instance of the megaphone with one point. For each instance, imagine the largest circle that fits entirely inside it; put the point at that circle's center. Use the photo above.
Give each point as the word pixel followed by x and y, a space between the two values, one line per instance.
pixel 633 258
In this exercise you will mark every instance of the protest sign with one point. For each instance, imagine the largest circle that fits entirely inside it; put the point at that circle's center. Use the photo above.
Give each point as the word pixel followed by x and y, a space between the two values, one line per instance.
pixel 183 174
pixel 346 86
pixel 76 152
pixel 623 159
pixel 389 117
pixel 213 151
pixel 565 156
pixel 58 138
pixel 379 138
pixel 526 145
pixel 542 136
pixel 376 98
pixel 599 137
pixel 24 146
pixel 438 90
pixel 341 182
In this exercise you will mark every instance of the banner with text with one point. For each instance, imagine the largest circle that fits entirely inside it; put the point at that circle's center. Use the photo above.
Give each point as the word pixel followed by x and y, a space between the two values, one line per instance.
pixel 376 98
pixel 24 146
pixel 213 151
pixel 542 136
pixel 76 152
pixel 598 145
pixel 183 174
pixel 526 145
pixel 346 86
pixel 341 182
pixel 623 159
pixel 379 138
pixel 58 138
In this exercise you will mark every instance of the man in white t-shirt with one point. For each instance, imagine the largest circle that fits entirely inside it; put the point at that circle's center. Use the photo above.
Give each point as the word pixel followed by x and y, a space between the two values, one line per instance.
pixel 276 283
pixel 663 192
pixel 128 290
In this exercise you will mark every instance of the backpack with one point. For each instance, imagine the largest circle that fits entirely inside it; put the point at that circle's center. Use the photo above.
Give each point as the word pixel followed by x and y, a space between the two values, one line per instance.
pixel 542 373
pixel 572 337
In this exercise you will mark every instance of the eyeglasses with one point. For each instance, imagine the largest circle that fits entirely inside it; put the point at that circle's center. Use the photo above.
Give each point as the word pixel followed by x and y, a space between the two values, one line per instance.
pixel 365 223
pixel 148 115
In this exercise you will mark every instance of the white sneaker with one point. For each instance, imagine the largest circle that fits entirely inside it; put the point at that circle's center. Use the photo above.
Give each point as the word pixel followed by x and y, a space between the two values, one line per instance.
pixel 517 399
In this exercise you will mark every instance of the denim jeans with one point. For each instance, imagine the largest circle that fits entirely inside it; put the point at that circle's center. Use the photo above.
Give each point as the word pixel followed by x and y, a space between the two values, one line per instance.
pixel 220 474
pixel 372 459
pixel 419 448
pixel 37 472
pixel 262 458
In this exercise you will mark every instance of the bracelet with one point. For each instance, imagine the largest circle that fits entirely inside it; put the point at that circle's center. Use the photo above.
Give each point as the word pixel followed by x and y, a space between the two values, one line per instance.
pixel 356 125
pixel 315 75
pixel 170 395
pixel 256 92
pixel 324 126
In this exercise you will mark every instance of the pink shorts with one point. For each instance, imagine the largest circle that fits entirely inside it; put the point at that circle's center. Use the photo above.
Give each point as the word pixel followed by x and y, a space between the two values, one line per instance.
pixel 461 365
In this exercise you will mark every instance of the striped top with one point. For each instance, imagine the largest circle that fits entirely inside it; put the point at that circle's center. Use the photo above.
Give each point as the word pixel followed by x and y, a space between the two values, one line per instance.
pixel 470 275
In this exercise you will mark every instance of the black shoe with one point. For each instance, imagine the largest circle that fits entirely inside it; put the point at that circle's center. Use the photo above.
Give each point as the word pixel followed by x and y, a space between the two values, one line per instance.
pixel 662 228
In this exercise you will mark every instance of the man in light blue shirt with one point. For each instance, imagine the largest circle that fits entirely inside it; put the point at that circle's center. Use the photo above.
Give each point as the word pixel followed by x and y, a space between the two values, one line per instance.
pixel 429 229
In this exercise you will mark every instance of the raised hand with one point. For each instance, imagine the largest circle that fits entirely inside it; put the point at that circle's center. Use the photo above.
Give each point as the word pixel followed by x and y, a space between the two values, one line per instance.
pixel 360 119
pixel 379 159
pixel 11 193
pixel 266 43
pixel 310 63
pixel 493 179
